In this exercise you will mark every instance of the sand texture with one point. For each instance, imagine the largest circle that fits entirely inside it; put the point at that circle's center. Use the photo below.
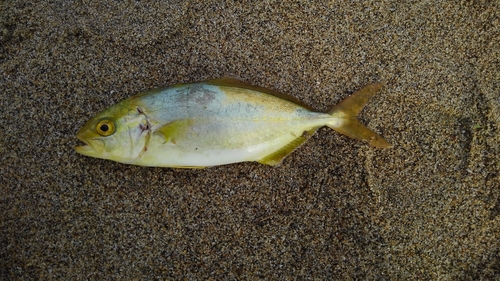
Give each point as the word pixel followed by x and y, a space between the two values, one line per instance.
pixel 336 209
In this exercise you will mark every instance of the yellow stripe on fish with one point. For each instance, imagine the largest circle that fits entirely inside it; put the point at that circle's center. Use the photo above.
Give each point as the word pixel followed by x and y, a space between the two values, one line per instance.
pixel 216 122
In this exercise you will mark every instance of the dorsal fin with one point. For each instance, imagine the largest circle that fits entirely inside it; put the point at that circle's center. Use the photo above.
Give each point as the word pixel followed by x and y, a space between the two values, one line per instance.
pixel 277 156
pixel 233 82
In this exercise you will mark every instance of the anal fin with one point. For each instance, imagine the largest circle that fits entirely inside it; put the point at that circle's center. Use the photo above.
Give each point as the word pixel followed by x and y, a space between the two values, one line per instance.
pixel 277 156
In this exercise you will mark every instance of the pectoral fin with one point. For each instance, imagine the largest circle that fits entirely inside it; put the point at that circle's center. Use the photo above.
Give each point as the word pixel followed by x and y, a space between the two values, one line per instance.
pixel 174 130
pixel 277 156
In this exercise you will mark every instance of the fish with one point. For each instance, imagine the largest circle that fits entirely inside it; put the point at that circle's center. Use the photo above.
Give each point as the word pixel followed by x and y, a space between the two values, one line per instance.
pixel 216 122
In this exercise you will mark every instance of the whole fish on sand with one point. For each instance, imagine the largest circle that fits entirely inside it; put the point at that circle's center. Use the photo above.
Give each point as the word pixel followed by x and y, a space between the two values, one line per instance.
pixel 215 122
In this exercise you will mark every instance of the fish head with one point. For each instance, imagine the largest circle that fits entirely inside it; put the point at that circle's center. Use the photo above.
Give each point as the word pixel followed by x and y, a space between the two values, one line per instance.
pixel 119 133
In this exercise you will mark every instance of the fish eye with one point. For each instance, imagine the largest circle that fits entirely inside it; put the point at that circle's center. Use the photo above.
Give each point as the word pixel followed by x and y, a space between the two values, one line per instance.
pixel 105 127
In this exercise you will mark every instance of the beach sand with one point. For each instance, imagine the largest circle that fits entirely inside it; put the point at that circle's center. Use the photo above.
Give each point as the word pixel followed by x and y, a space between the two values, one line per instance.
pixel 336 209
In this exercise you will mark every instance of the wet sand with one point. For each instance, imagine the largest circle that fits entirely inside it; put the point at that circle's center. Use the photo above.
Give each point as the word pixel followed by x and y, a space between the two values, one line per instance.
pixel 336 209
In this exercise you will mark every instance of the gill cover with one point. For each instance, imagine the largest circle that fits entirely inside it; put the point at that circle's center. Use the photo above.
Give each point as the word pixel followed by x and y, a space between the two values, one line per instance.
pixel 119 133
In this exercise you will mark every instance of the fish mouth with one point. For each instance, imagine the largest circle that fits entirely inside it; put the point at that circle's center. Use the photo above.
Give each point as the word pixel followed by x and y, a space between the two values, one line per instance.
pixel 85 149
pixel 88 149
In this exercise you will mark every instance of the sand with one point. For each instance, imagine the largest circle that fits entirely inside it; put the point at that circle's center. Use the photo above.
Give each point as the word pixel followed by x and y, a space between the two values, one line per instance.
pixel 336 209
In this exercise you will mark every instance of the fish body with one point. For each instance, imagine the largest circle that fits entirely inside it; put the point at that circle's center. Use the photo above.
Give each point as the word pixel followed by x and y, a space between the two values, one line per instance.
pixel 213 123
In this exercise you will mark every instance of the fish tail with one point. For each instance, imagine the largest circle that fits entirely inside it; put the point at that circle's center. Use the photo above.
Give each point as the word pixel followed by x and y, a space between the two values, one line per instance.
pixel 345 119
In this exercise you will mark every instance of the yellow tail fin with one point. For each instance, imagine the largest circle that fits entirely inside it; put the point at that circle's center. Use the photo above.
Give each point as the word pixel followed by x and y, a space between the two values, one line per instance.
pixel 346 113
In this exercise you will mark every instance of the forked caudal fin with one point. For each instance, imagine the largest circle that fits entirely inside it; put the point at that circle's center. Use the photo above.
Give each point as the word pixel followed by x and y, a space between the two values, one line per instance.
pixel 348 124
